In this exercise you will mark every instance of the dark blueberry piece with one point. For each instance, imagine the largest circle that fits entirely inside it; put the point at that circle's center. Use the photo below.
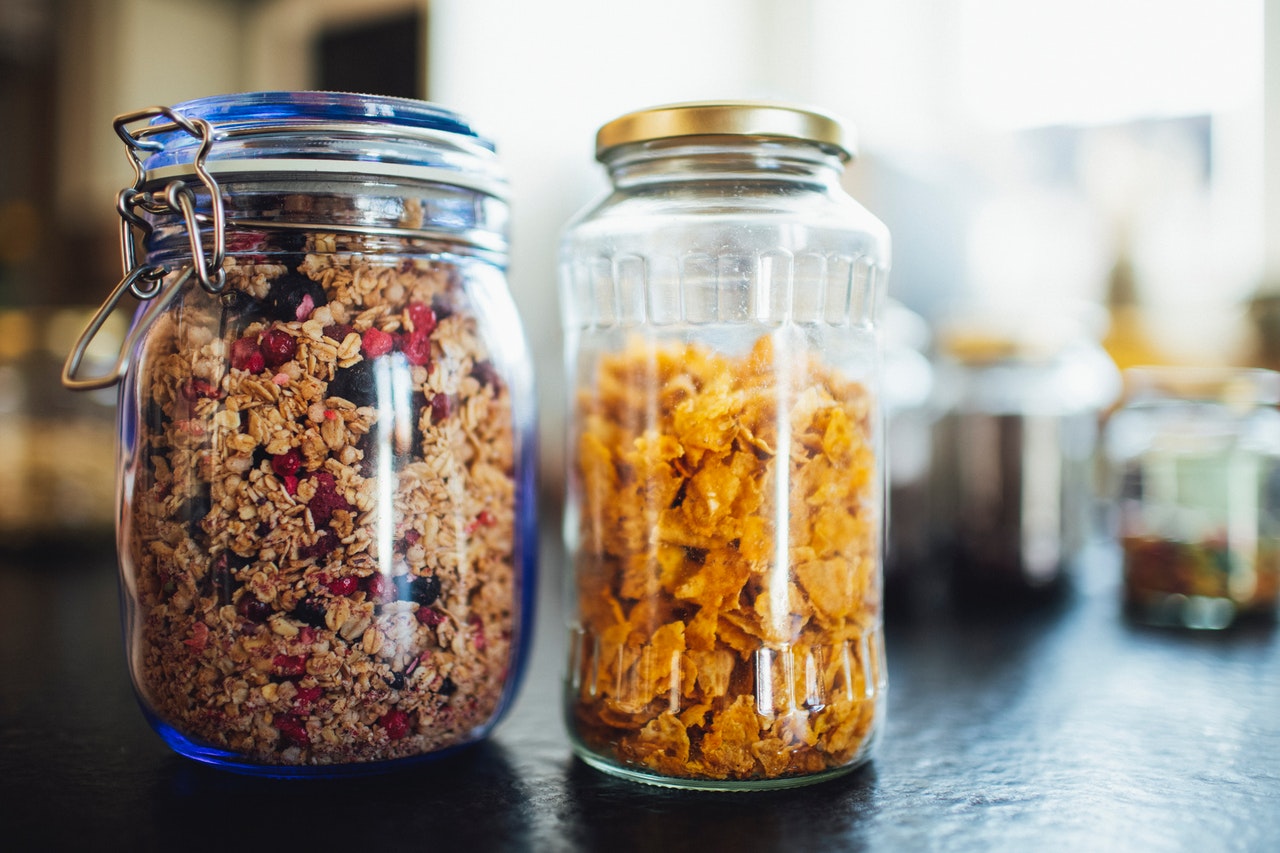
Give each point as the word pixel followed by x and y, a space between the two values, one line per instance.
pixel 355 384
pixel 196 507
pixel 311 611
pixel 486 374
pixel 442 306
pixel 288 248
pixel 238 309
pixel 447 687
pixel 323 546
pixel 425 590
pixel 396 681
pixel 222 583
pixel 288 297
pixel 253 609
pixel 155 417
pixel 260 455
pixel 289 241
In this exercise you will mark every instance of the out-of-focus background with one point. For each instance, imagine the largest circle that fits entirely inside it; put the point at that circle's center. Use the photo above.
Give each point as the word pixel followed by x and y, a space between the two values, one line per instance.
pixel 1119 157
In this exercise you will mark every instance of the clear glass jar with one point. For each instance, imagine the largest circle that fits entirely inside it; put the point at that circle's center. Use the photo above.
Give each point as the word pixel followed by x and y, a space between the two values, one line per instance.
pixel 724 518
pixel 1014 482
pixel 1195 462
pixel 327 528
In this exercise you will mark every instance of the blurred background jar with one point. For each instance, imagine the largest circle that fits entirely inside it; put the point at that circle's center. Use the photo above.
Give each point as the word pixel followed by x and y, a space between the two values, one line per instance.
pixel 1194 456
pixel 57 487
pixel 910 415
pixel 1014 484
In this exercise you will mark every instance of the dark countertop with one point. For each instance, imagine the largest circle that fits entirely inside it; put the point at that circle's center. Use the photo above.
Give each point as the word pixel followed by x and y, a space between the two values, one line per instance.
pixel 1064 728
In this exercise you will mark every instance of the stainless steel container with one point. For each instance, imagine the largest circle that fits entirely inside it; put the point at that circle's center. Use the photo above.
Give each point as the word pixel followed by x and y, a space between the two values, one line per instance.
pixel 1014 481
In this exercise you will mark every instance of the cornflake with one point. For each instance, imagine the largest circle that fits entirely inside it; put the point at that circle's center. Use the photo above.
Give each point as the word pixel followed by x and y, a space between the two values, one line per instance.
pixel 728 621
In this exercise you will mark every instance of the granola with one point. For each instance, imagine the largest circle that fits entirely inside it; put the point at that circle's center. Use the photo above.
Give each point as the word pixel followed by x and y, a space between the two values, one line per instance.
pixel 321 529
pixel 728 565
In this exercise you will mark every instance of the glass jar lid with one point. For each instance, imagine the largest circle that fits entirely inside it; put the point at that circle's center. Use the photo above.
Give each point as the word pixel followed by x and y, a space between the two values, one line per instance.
pixel 753 119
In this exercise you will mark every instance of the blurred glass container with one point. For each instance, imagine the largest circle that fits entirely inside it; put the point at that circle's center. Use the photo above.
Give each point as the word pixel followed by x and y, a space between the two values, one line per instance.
pixel 909 417
pixel 57 492
pixel 1013 482
pixel 1194 455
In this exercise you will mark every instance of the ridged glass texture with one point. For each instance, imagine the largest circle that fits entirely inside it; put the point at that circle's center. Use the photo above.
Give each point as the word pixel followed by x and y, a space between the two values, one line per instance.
pixel 724 513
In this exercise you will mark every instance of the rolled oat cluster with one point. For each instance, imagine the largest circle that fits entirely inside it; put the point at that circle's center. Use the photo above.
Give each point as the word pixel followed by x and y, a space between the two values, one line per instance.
pixel 321 528
pixel 728 565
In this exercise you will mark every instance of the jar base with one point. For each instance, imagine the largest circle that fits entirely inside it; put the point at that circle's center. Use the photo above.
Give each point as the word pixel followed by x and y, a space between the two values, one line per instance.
pixel 1176 610
pixel 714 785
pixel 234 762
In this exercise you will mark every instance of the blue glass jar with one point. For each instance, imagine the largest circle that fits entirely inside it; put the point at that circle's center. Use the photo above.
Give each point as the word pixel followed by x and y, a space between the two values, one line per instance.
pixel 327 530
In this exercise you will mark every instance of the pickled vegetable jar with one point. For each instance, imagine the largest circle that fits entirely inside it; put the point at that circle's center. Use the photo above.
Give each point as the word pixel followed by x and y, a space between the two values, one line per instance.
pixel 726 482
pixel 1195 460
pixel 326 518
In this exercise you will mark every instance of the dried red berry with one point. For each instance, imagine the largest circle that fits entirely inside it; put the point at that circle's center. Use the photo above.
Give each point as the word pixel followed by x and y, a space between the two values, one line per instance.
pixel 377 588
pixel 396 722
pixel 326 500
pixel 484 519
pixel 376 342
pixel 289 665
pixel 247 355
pixel 411 537
pixel 239 243
pixel 253 609
pixel 292 729
pixel 343 586
pixel 199 637
pixel 290 484
pixel 278 347
pixel 441 407
pixel 430 616
pixel 287 463
pixel 196 388
pixel 422 317
pixel 477 631
pixel 338 331
pixel 307 696
pixel 416 347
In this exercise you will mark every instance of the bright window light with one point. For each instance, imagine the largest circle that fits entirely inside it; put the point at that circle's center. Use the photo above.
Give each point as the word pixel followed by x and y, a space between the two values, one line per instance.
pixel 1096 61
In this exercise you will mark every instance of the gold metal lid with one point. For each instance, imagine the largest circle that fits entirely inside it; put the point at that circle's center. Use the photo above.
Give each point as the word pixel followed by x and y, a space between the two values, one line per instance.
pixel 726 118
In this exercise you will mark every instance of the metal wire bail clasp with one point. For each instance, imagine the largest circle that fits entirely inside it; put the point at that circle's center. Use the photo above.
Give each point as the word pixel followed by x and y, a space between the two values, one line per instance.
pixel 145 281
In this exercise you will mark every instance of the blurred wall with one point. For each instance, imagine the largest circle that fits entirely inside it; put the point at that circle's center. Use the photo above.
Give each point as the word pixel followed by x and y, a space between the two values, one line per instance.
pixel 551 73
pixel 972 206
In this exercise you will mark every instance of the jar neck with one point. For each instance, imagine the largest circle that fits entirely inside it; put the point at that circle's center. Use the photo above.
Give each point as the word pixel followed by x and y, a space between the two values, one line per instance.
pixel 723 159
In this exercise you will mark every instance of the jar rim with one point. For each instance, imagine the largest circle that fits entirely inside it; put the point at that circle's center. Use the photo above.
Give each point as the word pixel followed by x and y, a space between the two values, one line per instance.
pixel 283 106
pixel 749 119
pixel 1234 386
pixel 322 131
